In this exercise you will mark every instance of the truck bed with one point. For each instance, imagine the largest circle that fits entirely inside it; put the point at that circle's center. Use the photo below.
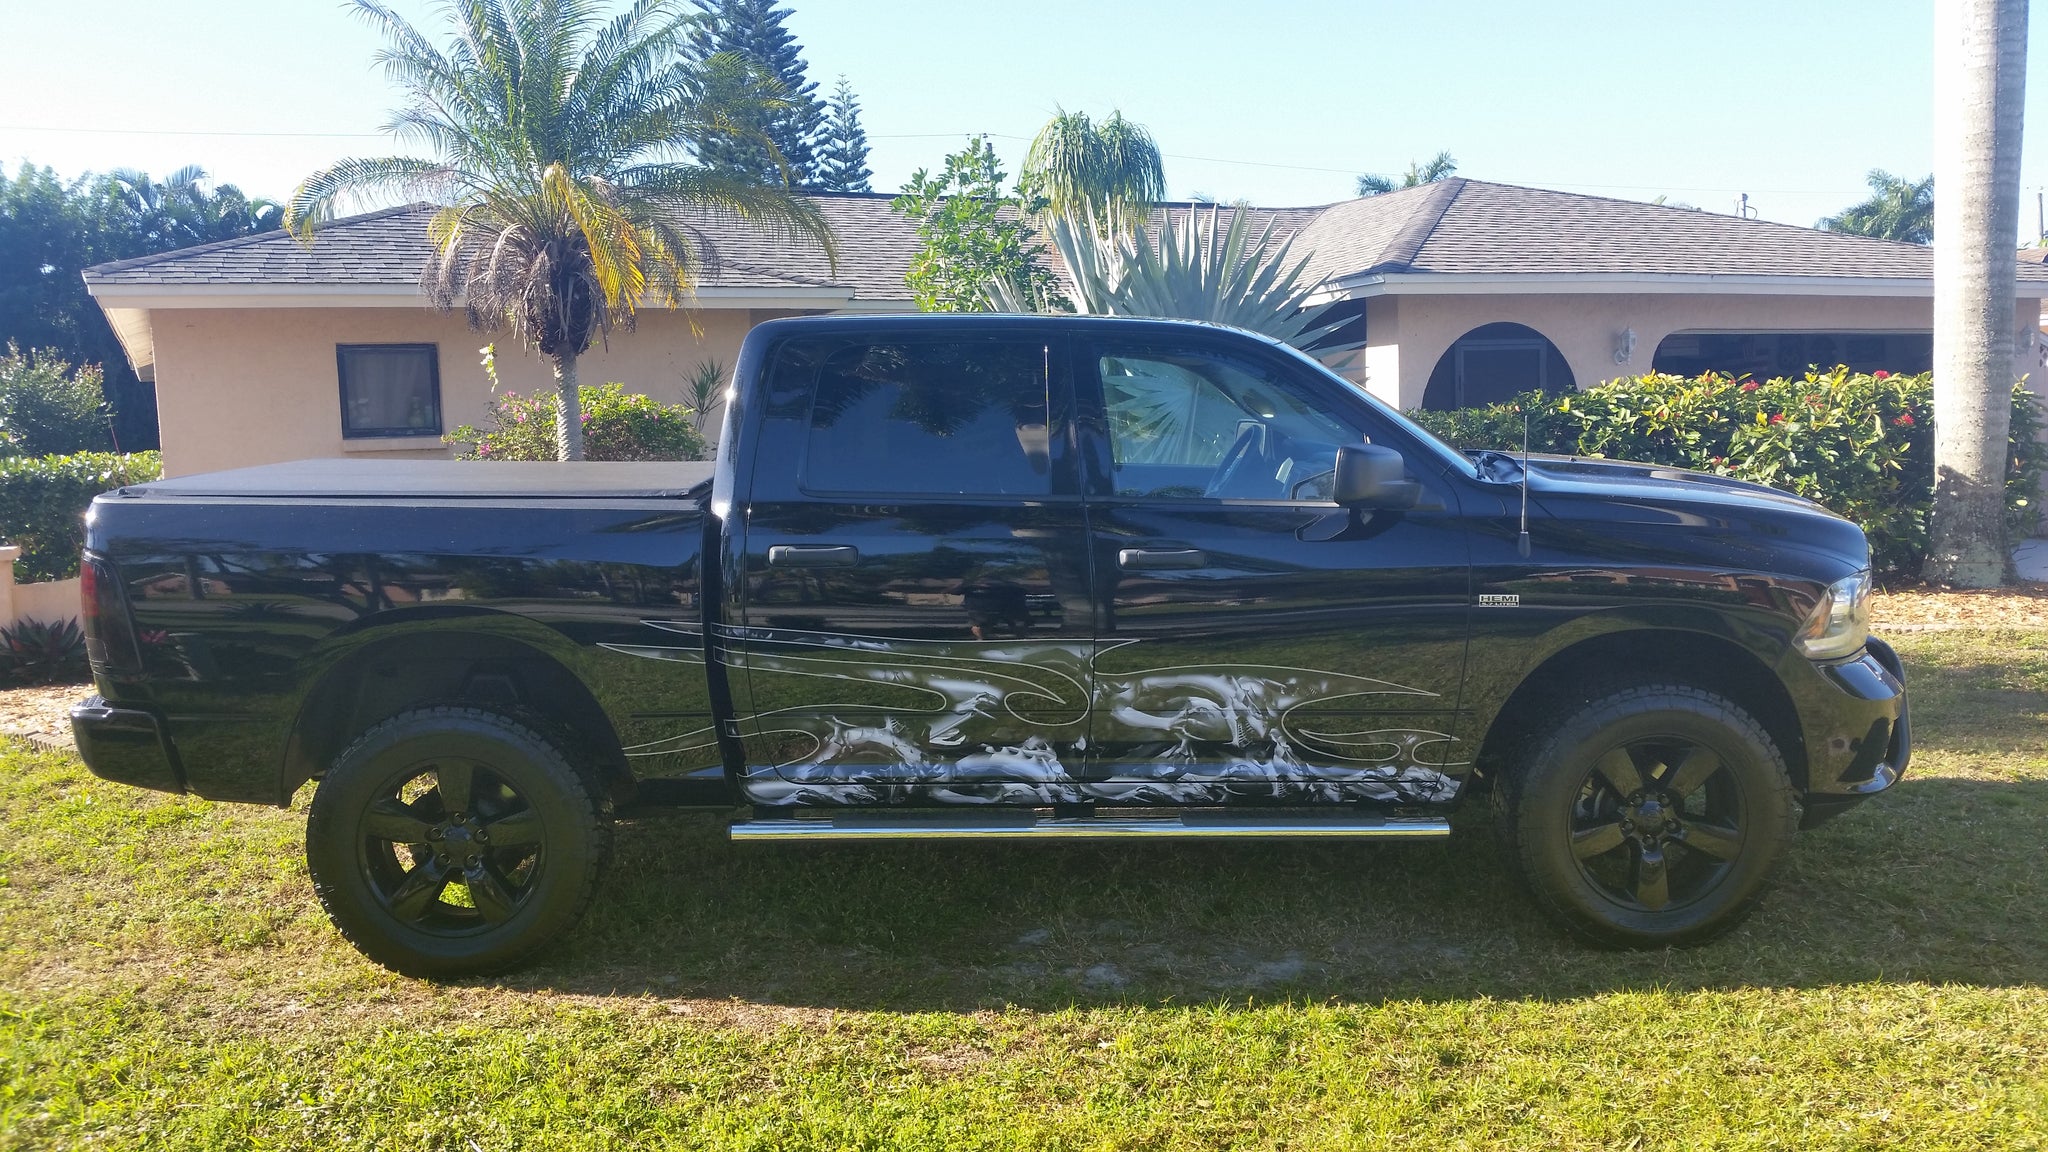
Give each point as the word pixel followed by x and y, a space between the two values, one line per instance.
pixel 440 480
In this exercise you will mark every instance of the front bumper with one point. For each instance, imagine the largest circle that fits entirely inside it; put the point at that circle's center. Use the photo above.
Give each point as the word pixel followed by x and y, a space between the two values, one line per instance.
pixel 126 746
pixel 1859 733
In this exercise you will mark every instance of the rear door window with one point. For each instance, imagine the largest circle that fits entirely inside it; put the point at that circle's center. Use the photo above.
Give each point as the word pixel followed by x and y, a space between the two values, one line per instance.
pixel 965 418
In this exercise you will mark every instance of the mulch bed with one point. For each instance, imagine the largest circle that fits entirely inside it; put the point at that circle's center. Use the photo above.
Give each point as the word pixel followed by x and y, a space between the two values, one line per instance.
pixel 41 715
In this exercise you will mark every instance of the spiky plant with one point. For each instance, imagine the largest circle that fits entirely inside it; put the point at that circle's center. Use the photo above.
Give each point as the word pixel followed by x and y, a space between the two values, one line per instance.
pixel 1108 172
pixel 1196 267
pixel 560 168
pixel 703 391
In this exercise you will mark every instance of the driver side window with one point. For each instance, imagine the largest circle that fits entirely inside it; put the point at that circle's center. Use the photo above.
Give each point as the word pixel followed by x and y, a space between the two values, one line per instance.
pixel 1194 425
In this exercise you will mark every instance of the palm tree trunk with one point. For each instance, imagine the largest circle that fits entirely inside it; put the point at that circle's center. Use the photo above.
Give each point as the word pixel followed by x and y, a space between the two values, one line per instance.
pixel 1980 59
pixel 568 410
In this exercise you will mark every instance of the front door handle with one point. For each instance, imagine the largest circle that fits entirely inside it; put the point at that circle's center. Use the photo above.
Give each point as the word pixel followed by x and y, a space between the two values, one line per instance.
pixel 813 556
pixel 1156 559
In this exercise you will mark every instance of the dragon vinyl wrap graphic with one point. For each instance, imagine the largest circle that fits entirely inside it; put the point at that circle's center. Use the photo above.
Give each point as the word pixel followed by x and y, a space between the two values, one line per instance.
pixel 993 716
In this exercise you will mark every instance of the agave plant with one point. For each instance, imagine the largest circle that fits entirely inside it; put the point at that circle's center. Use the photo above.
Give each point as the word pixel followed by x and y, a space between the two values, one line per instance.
pixel 1196 268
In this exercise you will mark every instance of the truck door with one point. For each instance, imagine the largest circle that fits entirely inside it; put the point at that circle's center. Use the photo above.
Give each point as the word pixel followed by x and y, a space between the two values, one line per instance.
pixel 916 606
pixel 1259 643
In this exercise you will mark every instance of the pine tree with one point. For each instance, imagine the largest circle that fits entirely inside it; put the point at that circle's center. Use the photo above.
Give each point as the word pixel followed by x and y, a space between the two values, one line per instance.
pixel 843 147
pixel 753 30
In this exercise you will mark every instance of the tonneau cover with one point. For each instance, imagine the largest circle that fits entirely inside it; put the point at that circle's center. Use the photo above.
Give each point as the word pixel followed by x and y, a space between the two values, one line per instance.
pixel 441 480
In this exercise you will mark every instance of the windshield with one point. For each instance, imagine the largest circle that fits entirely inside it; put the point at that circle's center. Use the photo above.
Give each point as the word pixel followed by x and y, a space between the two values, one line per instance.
pixel 1450 456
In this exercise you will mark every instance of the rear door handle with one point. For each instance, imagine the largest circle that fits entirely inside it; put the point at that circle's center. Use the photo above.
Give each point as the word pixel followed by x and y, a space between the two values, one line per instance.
pixel 813 555
pixel 1155 559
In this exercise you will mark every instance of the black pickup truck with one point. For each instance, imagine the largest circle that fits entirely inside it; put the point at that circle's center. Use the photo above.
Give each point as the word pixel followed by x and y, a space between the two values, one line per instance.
pixel 995 577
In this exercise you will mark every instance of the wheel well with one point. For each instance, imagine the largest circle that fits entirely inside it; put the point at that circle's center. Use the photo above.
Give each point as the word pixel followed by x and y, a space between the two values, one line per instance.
pixel 1594 667
pixel 406 672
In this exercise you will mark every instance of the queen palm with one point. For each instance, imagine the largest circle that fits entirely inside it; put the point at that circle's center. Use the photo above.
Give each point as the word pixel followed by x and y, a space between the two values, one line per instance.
pixel 1897 210
pixel 561 168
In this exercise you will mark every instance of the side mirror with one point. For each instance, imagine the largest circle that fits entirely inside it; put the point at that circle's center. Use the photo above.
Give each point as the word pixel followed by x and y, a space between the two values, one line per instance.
pixel 1371 476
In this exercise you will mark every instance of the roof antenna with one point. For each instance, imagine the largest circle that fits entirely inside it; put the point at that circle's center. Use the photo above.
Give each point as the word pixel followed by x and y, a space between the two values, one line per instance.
pixel 1522 542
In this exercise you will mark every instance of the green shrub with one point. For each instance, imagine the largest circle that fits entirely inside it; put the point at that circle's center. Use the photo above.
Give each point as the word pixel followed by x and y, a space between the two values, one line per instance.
pixel 1861 444
pixel 43 501
pixel 617 425
pixel 39 652
pixel 46 407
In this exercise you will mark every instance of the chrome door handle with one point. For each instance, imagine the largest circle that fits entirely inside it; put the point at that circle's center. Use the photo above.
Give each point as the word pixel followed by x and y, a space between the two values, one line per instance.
pixel 813 555
pixel 1155 559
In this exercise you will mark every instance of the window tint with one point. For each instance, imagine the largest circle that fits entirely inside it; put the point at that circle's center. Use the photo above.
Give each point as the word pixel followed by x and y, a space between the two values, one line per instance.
pixel 965 419
pixel 1196 425
pixel 389 390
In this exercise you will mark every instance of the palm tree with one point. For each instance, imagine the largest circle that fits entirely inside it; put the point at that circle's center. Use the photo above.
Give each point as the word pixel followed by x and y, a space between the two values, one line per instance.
pixel 1897 210
pixel 1437 167
pixel 565 191
pixel 1108 172
pixel 1980 62
pixel 1197 268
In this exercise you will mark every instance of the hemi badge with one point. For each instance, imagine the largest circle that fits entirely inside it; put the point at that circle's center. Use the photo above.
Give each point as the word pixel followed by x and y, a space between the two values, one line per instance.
pixel 1497 600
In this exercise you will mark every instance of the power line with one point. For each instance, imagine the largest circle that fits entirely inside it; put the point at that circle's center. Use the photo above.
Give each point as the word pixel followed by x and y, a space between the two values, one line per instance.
pixel 1667 188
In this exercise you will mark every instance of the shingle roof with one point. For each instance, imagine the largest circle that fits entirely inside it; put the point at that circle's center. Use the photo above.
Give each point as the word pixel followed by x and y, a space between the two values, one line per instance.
pixel 1454 227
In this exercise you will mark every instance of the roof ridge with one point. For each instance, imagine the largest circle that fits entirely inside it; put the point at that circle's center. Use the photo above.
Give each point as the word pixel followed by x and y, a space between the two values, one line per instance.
pixel 267 234
pixel 1407 243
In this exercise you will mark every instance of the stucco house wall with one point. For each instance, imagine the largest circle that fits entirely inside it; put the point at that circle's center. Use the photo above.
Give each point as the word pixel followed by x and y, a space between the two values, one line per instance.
pixel 237 387
pixel 1407 335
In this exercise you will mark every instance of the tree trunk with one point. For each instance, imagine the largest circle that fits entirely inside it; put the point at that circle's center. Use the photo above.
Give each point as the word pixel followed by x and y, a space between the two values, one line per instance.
pixel 1980 60
pixel 568 410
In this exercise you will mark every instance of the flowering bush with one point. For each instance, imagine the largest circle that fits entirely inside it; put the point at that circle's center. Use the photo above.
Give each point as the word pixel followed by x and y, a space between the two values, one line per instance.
pixel 617 425
pixel 1860 443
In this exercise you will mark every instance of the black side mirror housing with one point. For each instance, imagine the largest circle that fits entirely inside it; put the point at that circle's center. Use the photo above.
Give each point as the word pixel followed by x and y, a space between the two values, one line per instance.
pixel 1372 476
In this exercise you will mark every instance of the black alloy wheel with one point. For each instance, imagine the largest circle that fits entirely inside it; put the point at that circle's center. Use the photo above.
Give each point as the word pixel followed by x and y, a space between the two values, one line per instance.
pixel 1650 816
pixel 1657 823
pixel 455 841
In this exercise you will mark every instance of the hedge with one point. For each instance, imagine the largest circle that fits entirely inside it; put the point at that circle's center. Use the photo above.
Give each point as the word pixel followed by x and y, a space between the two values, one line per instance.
pixel 43 501
pixel 617 425
pixel 1862 444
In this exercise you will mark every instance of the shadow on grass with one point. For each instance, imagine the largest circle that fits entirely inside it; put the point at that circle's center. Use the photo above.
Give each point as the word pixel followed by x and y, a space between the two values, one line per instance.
pixel 1941 880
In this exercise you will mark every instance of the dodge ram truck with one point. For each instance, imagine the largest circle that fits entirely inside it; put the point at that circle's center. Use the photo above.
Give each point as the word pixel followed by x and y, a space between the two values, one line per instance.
pixel 995 577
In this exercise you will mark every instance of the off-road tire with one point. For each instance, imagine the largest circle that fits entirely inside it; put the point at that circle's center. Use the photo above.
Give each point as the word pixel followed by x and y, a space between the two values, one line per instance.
pixel 1554 793
pixel 565 807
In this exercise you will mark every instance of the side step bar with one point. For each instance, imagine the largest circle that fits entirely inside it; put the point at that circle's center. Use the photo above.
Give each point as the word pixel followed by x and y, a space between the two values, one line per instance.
pixel 1031 826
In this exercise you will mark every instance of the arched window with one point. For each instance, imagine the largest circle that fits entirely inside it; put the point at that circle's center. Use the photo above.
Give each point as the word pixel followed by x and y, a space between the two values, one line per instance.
pixel 1492 363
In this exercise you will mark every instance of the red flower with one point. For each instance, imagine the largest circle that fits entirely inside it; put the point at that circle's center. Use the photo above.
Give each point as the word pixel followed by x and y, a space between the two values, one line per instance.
pixel 1749 387
pixel 1777 418
pixel 1905 420
pixel 1881 374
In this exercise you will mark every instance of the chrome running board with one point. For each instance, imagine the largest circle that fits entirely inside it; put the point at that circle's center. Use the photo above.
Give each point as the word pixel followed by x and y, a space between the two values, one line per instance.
pixel 1026 825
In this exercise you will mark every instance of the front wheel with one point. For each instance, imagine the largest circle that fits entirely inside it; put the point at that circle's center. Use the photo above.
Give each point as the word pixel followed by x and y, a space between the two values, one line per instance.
pixel 455 841
pixel 1653 816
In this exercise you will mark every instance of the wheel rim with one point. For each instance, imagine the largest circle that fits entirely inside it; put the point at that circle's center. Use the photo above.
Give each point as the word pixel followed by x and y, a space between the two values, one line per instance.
pixel 1657 823
pixel 452 849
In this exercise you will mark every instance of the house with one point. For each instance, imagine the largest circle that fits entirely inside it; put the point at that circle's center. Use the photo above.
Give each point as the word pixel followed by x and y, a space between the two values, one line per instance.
pixel 263 349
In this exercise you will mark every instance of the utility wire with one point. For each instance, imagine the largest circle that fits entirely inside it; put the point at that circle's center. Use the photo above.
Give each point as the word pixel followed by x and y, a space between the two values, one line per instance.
pixel 962 135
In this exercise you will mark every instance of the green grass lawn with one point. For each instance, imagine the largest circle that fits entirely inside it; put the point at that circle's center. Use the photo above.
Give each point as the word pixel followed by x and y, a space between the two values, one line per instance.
pixel 167 981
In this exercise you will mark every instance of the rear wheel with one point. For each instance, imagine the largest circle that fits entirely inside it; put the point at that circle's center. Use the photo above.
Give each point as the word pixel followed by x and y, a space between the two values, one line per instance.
pixel 1649 817
pixel 454 841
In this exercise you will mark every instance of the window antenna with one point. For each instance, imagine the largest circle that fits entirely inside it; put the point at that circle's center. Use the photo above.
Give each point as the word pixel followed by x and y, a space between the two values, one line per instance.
pixel 1522 541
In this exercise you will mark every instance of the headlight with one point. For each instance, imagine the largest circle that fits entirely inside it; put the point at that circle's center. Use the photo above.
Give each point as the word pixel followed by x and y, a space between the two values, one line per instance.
pixel 1840 622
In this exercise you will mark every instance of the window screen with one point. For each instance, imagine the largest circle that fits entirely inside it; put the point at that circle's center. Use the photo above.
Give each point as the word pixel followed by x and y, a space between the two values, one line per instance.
pixel 389 390
pixel 962 419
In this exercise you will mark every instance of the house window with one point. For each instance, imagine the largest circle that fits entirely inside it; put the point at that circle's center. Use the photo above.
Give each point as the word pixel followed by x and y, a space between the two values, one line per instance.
pixel 389 390
pixel 1493 363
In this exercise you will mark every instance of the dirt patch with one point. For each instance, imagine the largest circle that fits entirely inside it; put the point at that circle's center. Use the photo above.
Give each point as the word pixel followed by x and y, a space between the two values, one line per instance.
pixel 42 715
pixel 1914 609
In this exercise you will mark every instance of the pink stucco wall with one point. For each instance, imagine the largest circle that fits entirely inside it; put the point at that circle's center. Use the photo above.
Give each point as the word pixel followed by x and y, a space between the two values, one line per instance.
pixel 1406 335
pixel 242 387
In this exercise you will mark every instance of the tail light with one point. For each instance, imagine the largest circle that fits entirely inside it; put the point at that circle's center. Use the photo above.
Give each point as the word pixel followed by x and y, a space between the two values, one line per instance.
pixel 109 630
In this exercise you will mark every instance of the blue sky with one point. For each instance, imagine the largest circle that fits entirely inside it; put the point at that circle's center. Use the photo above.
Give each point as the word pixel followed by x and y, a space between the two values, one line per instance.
pixel 1278 102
